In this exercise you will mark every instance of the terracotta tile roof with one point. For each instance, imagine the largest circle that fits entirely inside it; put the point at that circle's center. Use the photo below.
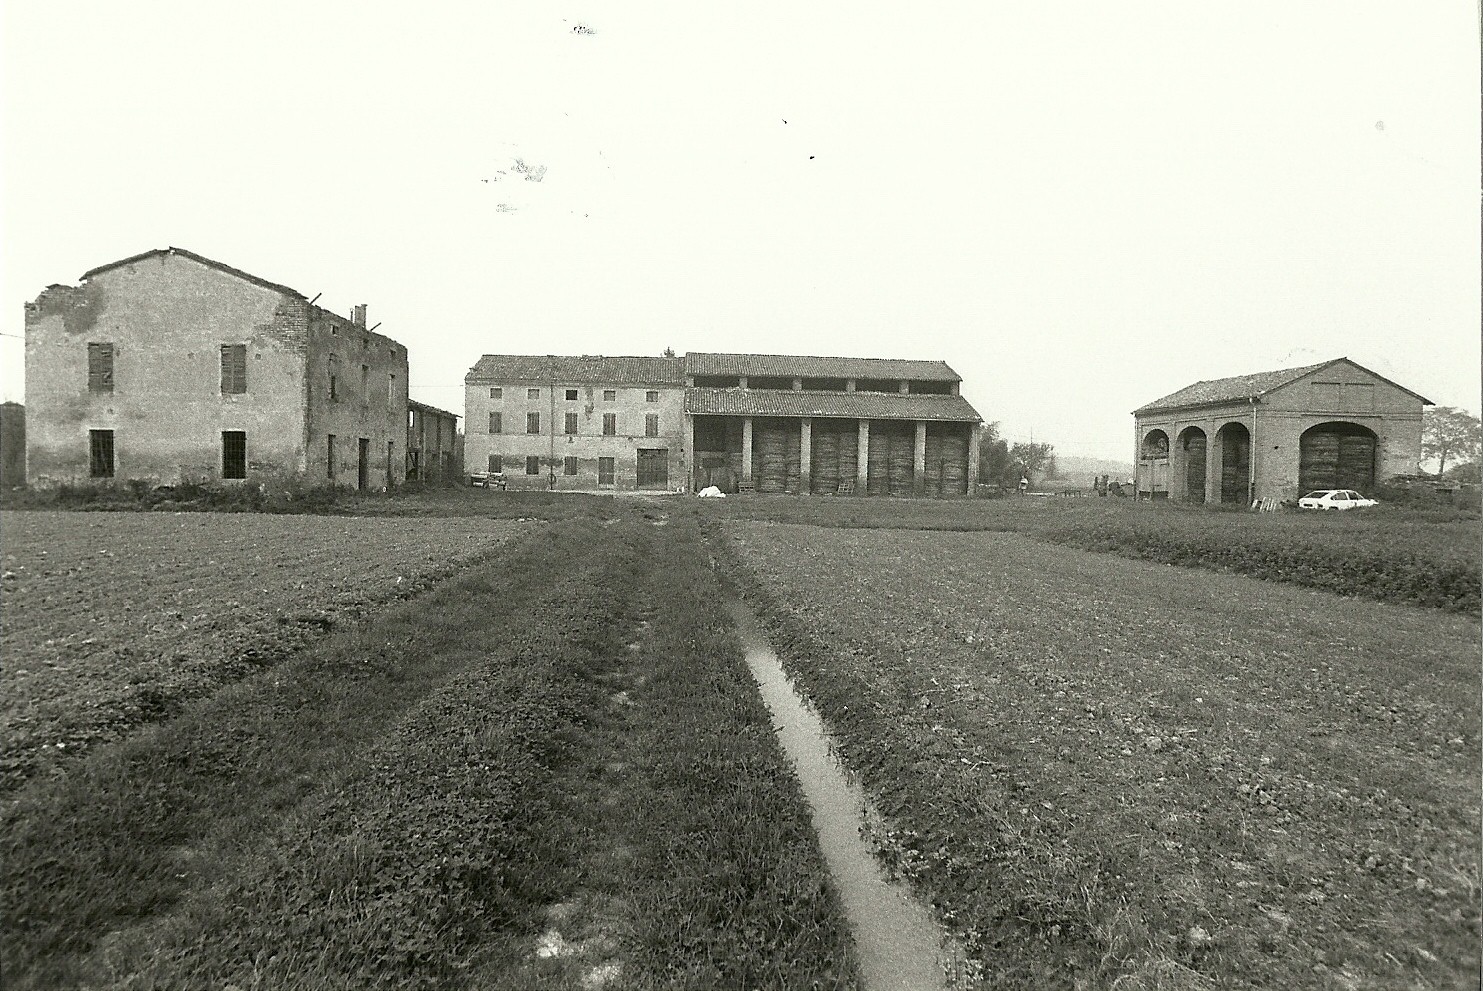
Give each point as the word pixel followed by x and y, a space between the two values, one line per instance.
pixel 413 404
pixel 810 366
pixel 1237 387
pixel 853 405
pixel 229 270
pixel 587 368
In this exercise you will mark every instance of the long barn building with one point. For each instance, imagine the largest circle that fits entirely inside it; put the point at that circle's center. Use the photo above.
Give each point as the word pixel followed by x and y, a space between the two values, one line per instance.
pixel 740 422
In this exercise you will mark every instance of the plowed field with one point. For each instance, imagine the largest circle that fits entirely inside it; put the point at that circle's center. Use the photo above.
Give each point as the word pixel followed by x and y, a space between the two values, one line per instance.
pixel 1129 774
pixel 110 620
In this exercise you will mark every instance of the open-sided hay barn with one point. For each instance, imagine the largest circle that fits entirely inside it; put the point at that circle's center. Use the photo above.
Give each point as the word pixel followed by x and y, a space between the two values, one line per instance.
pixel 1279 434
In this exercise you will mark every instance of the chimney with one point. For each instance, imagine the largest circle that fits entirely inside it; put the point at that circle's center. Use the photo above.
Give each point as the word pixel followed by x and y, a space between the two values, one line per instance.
pixel 358 314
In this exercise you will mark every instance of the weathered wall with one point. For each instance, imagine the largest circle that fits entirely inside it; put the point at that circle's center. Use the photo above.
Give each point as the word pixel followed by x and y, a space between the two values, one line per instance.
pixel 12 444
pixel 552 445
pixel 370 405
pixel 167 317
pixel 433 439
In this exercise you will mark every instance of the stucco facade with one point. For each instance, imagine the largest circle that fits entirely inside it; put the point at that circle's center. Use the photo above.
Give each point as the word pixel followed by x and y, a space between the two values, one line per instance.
pixel 169 367
pixel 577 423
pixel 1277 434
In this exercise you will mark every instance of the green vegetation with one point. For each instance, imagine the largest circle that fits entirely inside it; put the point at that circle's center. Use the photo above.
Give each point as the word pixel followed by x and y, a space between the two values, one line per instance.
pixel 1124 775
pixel 550 769
pixel 1424 558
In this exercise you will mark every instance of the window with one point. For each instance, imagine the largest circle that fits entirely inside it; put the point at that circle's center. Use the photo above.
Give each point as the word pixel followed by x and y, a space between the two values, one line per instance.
pixel 100 368
pixel 651 425
pixel 609 424
pixel 532 393
pixel 652 396
pixel 365 383
pixel 568 466
pixel 496 393
pixel 571 395
pixel 330 458
pixel 604 471
pixel 532 464
pixel 334 370
pixel 100 453
pixel 233 369
pixel 532 423
pixel 496 464
pixel 233 454
pixel 571 423
pixel 391 390
pixel 496 421
pixel 610 395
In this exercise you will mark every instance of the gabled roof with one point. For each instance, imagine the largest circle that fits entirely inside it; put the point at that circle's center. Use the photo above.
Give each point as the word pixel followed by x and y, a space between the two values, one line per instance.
pixel 229 270
pixel 850 405
pixel 1240 388
pixel 810 366
pixel 588 368
pixel 425 408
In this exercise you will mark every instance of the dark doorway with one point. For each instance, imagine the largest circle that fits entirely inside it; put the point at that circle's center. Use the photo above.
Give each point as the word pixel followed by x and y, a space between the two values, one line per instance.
pixel 234 454
pixel 1192 441
pixel 653 468
pixel 1235 463
pixel 1336 456
pixel 363 478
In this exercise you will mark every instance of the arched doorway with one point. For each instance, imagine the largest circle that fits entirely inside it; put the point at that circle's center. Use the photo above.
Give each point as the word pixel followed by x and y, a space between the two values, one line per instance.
pixel 1153 465
pixel 1336 455
pixel 1192 450
pixel 1235 463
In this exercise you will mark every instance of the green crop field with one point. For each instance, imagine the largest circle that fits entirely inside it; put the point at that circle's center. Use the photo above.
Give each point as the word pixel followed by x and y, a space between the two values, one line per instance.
pixel 1117 773
pixel 469 739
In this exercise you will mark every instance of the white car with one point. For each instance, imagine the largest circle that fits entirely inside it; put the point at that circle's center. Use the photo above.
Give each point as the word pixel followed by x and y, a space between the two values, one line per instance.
pixel 1335 499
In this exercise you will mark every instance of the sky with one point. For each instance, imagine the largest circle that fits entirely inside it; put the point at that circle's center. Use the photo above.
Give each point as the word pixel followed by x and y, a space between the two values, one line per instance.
pixel 1079 206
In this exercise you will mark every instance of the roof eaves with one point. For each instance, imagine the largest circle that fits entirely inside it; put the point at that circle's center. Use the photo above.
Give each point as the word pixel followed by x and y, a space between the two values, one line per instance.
pixel 202 259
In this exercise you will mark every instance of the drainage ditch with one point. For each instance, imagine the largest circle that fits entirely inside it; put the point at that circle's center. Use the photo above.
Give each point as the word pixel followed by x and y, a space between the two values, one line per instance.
pixel 898 942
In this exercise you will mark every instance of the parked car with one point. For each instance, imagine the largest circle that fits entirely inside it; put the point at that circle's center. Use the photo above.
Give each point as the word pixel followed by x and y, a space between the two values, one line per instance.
pixel 1335 499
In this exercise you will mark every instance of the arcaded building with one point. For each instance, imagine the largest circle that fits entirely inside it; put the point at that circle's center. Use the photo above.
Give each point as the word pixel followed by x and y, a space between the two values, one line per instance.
pixel 169 367
pixel 740 422
pixel 829 426
pixel 1278 434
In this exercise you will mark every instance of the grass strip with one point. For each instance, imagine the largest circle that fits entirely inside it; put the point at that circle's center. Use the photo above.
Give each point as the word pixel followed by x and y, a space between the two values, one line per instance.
pixel 1393 554
pixel 416 803
pixel 135 827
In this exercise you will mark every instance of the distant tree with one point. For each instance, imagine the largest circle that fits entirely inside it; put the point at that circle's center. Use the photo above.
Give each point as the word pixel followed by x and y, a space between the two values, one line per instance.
pixel 669 352
pixel 994 464
pixel 1034 457
pixel 1449 433
pixel 1051 468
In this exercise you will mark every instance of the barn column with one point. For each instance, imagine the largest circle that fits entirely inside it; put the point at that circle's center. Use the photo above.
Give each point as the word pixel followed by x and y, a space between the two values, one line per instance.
pixel 1214 456
pixel 919 461
pixel 973 438
pixel 862 458
pixel 805 455
pixel 747 450
pixel 687 456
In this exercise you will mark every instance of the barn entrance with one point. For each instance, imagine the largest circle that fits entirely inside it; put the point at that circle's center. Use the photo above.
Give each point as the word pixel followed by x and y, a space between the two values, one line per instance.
pixel 1235 463
pixel 833 454
pixel 1336 455
pixel 653 468
pixel 776 454
pixel 892 457
pixel 1192 446
pixel 947 459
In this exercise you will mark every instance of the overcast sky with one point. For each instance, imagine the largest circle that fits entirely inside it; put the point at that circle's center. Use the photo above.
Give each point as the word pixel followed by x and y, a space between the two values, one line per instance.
pixel 1079 206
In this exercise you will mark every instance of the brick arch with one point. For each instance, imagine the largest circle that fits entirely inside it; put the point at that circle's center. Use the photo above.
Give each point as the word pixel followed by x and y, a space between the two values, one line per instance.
pixel 1337 454
pixel 1190 452
pixel 1155 444
pixel 1233 448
